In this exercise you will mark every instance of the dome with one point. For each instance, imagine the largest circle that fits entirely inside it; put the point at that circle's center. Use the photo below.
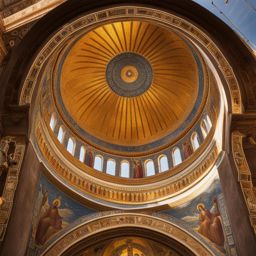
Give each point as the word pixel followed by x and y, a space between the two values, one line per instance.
pixel 129 86
pixel 129 83
pixel 126 130
pixel 126 104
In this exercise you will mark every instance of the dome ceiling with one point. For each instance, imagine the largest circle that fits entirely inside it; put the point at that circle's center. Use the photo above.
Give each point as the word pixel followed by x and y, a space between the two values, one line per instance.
pixel 122 108
pixel 129 83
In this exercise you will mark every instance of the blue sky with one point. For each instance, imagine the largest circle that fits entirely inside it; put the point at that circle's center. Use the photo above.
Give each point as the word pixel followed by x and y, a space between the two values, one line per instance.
pixel 240 15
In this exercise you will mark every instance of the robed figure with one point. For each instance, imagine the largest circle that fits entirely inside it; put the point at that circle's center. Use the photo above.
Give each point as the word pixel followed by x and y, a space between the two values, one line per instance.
pixel 137 169
pixel 49 223
pixel 187 149
pixel 210 223
pixel 89 158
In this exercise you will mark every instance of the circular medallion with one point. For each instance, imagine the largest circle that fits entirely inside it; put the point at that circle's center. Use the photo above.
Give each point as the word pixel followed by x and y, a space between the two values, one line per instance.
pixel 129 74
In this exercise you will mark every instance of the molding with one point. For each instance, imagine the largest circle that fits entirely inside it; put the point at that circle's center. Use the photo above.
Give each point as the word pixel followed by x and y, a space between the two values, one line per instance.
pixel 11 182
pixel 244 176
pixel 13 19
pixel 163 18
pixel 88 185
pixel 113 220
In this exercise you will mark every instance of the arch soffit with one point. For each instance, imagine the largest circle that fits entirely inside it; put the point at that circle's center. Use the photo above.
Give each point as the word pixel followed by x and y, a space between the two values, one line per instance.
pixel 113 220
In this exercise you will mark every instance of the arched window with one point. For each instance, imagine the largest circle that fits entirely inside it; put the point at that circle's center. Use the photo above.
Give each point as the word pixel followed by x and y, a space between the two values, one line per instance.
pixel 71 146
pixel 125 169
pixel 208 123
pixel 176 156
pixel 195 141
pixel 82 154
pixel 150 168
pixel 163 163
pixel 53 121
pixel 98 163
pixel 111 167
pixel 61 134
pixel 204 128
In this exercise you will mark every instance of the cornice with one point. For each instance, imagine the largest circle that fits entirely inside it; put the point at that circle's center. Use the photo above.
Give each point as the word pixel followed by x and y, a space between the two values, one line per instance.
pixel 23 12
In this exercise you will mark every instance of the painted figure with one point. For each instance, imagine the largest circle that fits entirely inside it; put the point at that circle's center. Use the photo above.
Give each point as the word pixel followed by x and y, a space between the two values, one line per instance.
pixel 210 223
pixel 187 149
pixel 137 169
pixel 89 158
pixel 49 223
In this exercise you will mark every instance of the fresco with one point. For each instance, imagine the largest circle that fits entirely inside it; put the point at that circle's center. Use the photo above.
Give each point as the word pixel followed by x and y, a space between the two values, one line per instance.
pixel 53 211
pixel 207 215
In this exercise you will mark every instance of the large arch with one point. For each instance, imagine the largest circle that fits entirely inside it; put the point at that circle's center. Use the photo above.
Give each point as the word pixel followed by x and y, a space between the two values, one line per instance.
pixel 173 234
pixel 240 61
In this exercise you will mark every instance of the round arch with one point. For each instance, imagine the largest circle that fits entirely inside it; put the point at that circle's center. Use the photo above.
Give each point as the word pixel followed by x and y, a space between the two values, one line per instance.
pixel 167 230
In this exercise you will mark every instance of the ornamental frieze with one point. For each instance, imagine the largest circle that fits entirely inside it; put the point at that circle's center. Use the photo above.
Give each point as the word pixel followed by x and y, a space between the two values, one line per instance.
pixel 244 175
pixel 86 184
pixel 166 19
pixel 121 220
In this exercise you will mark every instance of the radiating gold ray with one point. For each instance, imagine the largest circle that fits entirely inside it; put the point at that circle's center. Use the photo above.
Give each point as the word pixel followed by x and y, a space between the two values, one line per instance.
pixel 143 38
pixel 158 110
pixel 151 42
pixel 123 120
pixel 140 117
pixel 108 45
pixel 110 37
pixel 90 103
pixel 124 36
pixel 151 122
pixel 101 106
pixel 92 57
pixel 95 53
pixel 145 114
pixel 98 48
pixel 136 40
pixel 118 38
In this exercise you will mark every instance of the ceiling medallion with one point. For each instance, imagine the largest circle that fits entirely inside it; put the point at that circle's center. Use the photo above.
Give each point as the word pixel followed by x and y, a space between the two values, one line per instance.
pixel 129 74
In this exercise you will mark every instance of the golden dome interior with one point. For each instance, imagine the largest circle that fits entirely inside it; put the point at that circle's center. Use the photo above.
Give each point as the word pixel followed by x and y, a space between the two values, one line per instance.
pixel 129 120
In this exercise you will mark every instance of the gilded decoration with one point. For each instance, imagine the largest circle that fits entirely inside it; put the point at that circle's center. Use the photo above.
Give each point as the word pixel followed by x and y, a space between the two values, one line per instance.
pixel 133 12
pixel 64 78
pixel 115 220
pixel 128 118
pixel 85 184
pixel 91 91
pixel 11 156
pixel 131 246
pixel 244 175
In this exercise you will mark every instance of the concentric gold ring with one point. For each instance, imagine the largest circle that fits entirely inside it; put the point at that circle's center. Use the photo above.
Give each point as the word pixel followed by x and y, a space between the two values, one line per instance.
pixel 129 74
pixel 130 83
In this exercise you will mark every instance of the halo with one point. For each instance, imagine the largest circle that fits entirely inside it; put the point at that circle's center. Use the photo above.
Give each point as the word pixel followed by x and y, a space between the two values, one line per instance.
pixel 56 202
pixel 200 205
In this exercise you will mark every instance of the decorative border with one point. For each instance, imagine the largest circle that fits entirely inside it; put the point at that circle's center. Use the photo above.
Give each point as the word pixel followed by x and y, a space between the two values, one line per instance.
pixel 244 176
pixel 118 13
pixel 11 185
pixel 112 220
pixel 230 246
pixel 89 186
pixel 200 103
pixel 118 85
